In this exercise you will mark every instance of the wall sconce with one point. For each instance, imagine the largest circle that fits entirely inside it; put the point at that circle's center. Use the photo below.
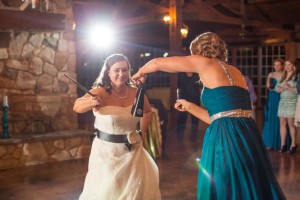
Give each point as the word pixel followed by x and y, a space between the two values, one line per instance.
pixel 184 31
pixel 167 19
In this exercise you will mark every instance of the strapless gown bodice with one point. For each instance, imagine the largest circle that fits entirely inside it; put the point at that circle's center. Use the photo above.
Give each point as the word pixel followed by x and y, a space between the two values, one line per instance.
pixel 115 120
pixel 225 98
pixel 273 82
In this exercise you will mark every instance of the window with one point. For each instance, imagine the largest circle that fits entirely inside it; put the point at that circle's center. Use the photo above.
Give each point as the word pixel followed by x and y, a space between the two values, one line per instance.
pixel 257 65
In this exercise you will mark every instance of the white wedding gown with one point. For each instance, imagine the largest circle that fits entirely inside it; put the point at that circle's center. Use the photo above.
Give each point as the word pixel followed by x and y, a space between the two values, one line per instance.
pixel 114 172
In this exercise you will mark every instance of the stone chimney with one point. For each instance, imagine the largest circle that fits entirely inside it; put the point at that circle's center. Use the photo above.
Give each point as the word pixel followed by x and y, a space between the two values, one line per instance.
pixel 32 69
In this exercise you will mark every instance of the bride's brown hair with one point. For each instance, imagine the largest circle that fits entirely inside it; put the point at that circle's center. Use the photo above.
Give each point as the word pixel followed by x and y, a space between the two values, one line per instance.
pixel 103 79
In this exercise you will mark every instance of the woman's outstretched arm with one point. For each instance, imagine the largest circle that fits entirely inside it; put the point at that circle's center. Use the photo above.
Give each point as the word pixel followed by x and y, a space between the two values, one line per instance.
pixel 171 65
pixel 199 112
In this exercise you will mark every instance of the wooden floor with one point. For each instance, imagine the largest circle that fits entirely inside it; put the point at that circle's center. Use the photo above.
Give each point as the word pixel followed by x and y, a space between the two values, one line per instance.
pixel 178 175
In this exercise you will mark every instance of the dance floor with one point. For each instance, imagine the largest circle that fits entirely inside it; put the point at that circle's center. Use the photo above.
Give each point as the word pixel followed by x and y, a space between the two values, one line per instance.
pixel 178 175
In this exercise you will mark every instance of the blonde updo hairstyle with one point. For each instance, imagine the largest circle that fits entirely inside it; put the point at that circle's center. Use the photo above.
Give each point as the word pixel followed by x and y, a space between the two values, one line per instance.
pixel 209 45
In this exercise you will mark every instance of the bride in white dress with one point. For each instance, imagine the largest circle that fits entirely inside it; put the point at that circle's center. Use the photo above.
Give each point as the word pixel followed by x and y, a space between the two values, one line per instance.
pixel 117 171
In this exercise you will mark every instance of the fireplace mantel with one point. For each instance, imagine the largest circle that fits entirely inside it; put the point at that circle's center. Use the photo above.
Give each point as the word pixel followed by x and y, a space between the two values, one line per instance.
pixel 31 21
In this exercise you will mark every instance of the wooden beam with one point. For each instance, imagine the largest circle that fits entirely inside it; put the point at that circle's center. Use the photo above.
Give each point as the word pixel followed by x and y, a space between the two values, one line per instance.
pixel 204 14
pixel 211 3
pixel 153 6
pixel 175 47
pixel 139 3
pixel 214 16
pixel 31 21
pixel 138 20
pixel 270 1
pixel 117 9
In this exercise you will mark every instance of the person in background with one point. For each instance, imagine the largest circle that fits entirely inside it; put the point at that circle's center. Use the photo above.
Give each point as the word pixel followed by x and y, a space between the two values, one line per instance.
pixel 287 106
pixel 119 166
pixel 271 127
pixel 252 93
pixel 189 87
pixel 297 112
pixel 234 163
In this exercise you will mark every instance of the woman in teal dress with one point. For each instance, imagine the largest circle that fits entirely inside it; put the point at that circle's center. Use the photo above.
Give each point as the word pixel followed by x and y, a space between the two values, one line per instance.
pixel 234 164
pixel 270 133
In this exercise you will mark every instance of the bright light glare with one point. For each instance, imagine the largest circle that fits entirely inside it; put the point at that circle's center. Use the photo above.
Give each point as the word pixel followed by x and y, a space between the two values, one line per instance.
pixel 167 19
pixel 101 36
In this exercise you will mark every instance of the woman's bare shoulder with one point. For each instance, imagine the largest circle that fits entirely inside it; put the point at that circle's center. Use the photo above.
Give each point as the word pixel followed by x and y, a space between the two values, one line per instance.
pixel 235 69
pixel 200 63
pixel 98 90
pixel 199 58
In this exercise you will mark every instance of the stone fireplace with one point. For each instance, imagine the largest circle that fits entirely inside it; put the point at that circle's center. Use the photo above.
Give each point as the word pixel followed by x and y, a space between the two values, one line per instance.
pixel 32 67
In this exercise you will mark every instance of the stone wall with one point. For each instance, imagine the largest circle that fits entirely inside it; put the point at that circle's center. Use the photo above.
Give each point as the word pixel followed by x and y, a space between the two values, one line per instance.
pixel 32 71
pixel 41 149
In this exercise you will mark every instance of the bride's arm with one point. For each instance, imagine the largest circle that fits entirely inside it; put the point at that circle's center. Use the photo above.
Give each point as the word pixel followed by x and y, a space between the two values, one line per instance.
pixel 87 102
pixel 146 119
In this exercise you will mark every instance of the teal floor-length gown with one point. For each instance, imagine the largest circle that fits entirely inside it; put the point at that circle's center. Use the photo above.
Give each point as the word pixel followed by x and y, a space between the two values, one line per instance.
pixel 271 131
pixel 234 164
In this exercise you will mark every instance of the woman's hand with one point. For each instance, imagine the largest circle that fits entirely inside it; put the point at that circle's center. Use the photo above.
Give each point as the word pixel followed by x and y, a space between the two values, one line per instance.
pixel 96 101
pixel 285 85
pixel 92 100
pixel 86 103
pixel 139 78
pixel 280 89
pixel 182 105
pixel 198 111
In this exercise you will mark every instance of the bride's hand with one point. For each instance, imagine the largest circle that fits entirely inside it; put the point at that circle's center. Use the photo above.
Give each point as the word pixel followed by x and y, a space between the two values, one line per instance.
pixel 97 100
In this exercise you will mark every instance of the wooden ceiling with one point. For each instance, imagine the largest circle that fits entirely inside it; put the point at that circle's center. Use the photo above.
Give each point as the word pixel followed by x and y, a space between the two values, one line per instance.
pixel 236 21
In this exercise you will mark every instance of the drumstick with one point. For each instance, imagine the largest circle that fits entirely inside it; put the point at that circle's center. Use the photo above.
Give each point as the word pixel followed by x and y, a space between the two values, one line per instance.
pixel 80 86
